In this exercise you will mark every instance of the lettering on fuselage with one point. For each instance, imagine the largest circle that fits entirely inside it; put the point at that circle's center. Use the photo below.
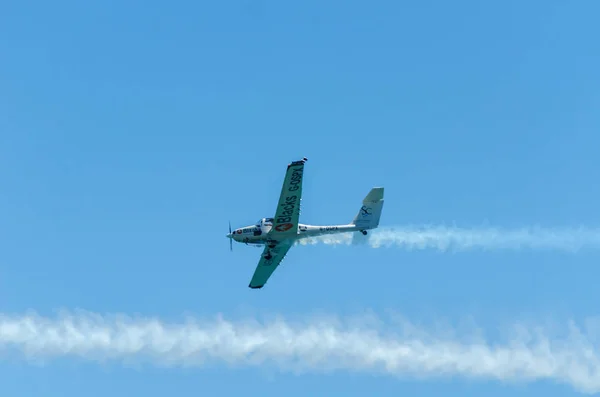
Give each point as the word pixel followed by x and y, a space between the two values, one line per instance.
pixel 247 230
pixel 291 202
pixel 328 228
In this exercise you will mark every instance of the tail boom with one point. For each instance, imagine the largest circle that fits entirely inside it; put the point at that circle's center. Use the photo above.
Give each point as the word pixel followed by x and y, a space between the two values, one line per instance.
pixel 367 218
pixel 305 231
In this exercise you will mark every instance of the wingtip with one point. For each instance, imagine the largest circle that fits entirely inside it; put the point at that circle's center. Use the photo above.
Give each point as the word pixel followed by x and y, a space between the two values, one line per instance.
pixel 298 162
pixel 255 286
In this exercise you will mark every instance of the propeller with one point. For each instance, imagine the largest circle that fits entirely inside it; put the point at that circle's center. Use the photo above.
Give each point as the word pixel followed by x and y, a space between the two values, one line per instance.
pixel 230 238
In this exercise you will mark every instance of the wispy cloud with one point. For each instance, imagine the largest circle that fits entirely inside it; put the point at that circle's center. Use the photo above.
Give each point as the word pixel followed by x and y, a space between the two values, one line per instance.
pixel 445 238
pixel 398 349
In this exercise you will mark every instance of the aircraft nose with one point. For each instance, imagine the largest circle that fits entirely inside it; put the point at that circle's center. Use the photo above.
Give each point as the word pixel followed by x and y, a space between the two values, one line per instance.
pixel 229 235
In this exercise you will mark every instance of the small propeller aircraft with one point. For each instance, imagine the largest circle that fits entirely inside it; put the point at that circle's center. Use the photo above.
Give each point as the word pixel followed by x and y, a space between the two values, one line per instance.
pixel 279 234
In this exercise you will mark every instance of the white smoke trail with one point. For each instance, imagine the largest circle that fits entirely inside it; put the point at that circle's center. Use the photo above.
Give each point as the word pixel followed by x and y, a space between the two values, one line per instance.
pixel 444 238
pixel 529 354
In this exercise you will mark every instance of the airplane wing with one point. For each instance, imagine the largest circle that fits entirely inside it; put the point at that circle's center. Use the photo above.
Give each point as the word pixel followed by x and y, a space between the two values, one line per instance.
pixel 288 207
pixel 285 224
pixel 266 267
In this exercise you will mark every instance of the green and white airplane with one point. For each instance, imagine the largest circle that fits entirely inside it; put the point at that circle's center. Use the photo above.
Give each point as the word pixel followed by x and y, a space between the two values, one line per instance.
pixel 279 234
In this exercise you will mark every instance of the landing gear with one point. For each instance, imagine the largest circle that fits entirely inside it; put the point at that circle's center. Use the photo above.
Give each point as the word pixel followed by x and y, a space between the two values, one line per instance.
pixel 271 243
pixel 268 256
pixel 364 232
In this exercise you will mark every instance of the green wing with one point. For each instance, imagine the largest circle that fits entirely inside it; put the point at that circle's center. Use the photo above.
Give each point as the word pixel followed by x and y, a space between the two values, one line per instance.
pixel 287 213
pixel 266 267
pixel 285 224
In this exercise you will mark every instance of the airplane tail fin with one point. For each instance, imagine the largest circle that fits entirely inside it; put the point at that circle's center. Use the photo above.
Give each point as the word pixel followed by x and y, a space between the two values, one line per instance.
pixel 369 214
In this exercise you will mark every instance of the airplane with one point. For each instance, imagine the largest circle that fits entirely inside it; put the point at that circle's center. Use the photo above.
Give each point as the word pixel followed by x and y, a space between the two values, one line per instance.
pixel 280 233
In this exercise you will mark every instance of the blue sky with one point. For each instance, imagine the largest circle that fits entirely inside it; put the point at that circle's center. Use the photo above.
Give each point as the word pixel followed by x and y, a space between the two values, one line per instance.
pixel 131 133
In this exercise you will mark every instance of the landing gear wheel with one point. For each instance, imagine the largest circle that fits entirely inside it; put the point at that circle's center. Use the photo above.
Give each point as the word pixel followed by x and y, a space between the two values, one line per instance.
pixel 364 232
pixel 268 257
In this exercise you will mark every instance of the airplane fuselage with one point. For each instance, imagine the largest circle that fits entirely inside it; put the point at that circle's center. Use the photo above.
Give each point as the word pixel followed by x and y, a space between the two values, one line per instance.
pixel 258 234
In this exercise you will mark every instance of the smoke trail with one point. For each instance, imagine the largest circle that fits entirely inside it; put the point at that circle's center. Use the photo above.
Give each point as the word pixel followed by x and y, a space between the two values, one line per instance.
pixel 444 238
pixel 403 350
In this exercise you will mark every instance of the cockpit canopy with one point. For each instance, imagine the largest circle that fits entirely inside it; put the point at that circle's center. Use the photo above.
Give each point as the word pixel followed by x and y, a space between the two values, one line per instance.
pixel 265 222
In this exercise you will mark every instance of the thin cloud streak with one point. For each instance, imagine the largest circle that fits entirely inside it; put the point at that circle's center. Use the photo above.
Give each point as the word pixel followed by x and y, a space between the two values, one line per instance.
pixel 397 349
pixel 443 238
